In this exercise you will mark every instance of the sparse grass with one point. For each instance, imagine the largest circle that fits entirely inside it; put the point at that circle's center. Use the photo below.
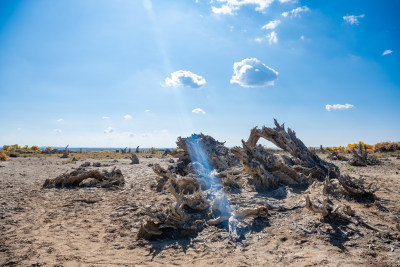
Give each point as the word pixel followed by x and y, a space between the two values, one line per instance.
pixel 350 168
pixel 3 156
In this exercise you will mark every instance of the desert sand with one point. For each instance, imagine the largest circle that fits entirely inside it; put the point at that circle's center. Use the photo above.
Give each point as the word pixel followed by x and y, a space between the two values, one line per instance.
pixel 98 227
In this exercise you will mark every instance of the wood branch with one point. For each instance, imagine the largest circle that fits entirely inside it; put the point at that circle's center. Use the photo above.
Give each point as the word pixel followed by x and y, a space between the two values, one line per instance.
pixel 357 187
pixel 316 208
pixel 362 158
pixel 268 169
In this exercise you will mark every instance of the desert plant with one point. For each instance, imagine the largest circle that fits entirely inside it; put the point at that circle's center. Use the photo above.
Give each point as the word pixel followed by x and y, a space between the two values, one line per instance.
pixel 35 148
pixel 48 149
pixel 350 168
pixel 387 146
pixel 3 156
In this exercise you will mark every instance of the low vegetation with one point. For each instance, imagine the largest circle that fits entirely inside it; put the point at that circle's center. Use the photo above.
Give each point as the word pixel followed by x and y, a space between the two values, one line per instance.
pixel 3 156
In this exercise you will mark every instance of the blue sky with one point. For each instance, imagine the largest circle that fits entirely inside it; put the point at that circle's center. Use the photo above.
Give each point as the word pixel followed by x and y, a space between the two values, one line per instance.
pixel 99 73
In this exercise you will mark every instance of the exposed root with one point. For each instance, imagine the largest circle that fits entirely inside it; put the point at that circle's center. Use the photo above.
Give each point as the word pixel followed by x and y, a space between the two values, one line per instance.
pixel 268 169
pixel 362 158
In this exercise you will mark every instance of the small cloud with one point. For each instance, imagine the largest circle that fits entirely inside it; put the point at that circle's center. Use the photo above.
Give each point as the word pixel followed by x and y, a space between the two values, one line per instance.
pixel 19 129
pixel 387 52
pixel 105 118
pixel 223 10
pixel 272 38
pixel 271 25
pixel 57 130
pixel 198 111
pixel 251 72
pixel 228 6
pixel 295 12
pixel 164 131
pixel 109 130
pixel 338 107
pixel 60 120
pixel 302 37
pixel 259 40
pixel 127 117
pixel 147 110
pixel 353 19
pixel 286 1
pixel 185 78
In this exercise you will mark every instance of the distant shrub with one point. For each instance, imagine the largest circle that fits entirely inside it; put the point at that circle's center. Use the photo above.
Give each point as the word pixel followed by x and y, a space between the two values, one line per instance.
pixel 153 150
pixel 365 146
pixel 387 147
pixel 3 156
pixel 11 148
pixel 48 149
pixel 35 148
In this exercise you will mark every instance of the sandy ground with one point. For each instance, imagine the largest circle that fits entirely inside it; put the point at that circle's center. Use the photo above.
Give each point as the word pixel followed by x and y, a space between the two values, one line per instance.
pixel 97 227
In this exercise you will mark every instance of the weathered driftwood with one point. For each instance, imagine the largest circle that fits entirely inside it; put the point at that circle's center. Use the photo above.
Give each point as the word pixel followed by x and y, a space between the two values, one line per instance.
pixel 87 178
pixel 339 212
pixel 206 150
pixel 334 155
pixel 269 169
pixel 134 159
pixel 65 152
pixel 194 209
pixel 168 152
pixel 362 158
pixel 357 187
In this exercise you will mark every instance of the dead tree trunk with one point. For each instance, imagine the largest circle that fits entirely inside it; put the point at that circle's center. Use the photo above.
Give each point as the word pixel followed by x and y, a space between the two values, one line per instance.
pixel 134 158
pixel 268 169
pixel 361 157
pixel 65 153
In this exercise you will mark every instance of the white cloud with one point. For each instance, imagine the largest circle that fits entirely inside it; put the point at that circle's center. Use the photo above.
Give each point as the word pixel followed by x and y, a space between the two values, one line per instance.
pixel 198 111
pixel 57 130
pixel 251 72
pixel 353 19
pixel 109 130
pixel 258 39
pixel 387 52
pixel 184 78
pixel 296 11
pixel 147 110
pixel 19 129
pixel 60 120
pixel 127 117
pixel 302 37
pixel 271 25
pixel 105 117
pixel 285 1
pixel 223 10
pixel 164 131
pixel 272 38
pixel 338 107
pixel 228 6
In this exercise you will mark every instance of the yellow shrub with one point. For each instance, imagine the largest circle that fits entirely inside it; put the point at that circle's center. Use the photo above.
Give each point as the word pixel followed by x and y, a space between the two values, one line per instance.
pixel 3 156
